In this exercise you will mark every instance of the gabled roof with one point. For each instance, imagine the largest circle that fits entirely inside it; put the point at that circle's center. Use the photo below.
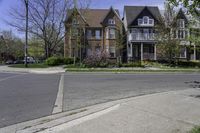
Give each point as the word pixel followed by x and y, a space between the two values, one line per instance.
pixel 182 14
pixel 94 17
pixel 132 12
pixel 116 12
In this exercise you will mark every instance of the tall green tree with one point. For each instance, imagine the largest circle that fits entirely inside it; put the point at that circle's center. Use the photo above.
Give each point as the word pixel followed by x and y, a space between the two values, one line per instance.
pixel 193 6
pixel 168 46
pixel 10 46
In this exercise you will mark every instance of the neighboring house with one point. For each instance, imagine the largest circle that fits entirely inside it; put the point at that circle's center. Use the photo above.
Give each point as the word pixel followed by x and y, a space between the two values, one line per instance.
pixel 139 23
pixel 92 31
pixel 182 33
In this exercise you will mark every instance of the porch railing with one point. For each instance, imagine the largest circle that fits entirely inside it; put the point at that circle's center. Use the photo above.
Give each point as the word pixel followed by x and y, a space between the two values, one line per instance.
pixel 141 36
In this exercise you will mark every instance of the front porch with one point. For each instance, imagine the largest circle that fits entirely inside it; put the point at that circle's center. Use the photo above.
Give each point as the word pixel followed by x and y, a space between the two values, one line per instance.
pixel 142 51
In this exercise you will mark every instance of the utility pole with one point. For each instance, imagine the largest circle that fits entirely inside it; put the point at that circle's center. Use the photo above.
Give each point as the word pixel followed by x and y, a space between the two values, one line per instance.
pixel 26 36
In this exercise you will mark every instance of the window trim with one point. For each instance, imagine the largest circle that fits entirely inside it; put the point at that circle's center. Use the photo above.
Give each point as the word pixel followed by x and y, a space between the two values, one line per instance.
pixel 111 21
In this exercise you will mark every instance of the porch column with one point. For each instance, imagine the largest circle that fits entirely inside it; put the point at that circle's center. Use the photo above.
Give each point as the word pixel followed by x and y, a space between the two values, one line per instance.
pixel 194 52
pixel 155 52
pixel 142 58
pixel 131 50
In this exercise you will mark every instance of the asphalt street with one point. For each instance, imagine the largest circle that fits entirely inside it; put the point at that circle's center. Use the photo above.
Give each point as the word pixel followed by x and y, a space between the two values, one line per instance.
pixel 87 89
pixel 26 96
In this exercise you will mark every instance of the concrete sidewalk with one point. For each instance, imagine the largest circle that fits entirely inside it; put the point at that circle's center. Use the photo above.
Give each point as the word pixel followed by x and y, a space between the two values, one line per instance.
pixel 169 112
pixel 50 70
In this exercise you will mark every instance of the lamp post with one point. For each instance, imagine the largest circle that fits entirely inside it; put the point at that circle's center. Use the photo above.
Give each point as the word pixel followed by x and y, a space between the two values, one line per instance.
pixel 26 35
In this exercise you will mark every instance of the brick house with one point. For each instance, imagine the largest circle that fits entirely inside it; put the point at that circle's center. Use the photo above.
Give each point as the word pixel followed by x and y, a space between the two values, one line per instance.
pixel 91 31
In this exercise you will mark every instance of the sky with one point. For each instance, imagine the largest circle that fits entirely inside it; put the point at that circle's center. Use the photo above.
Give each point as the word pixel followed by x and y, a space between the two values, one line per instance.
pixel 6 5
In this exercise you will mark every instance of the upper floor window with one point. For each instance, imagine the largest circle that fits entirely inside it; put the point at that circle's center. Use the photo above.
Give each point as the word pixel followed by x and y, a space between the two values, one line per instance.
pixel 75 21
pixel 181 23
pixel 146 21
pixel 89 33
pixel 110 34
pixel 97 34
pixel 111 21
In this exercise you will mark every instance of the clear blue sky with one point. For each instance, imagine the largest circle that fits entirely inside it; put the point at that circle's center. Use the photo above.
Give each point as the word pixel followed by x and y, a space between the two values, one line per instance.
pixel 6 5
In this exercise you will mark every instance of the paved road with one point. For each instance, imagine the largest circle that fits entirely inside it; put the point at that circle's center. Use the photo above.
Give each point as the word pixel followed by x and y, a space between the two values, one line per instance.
pixel 26 96
pixel 86 89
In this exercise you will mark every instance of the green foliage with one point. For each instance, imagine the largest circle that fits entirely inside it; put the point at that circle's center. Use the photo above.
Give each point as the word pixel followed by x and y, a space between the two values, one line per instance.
pixel 195 130
pixel 191 5
pixel 188 64
pixel 68 61
pixel 54 61
pixel 36 48
pixel 11 47
pixel 133 64
pixel 39 65
pixel 168 47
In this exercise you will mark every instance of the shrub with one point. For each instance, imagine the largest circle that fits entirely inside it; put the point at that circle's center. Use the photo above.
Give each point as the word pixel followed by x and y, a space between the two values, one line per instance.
pixel 195 130
pixel 97 60
pixel 133 64
pixel 68 61
pixel 188 64
pixel 54 61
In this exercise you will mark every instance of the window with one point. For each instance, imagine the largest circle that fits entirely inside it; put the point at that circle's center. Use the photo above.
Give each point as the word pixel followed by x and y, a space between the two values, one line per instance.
pixel 140 21
pixel 111 21
pixel 89 33
pixel 75 21
pixel 89 52
pixel 145 19
pixel 183 52
pixel 75 32
pixel 181 34
pixel 110 34
pixel 151 21
pixel 98 49
pixel 181 23
pixel 97 34
pixel 112 51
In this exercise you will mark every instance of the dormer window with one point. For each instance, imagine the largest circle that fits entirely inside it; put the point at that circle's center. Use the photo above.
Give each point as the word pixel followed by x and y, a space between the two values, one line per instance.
pixel 75 21
pixel 146 21
pixel 111 21
pixel 140 21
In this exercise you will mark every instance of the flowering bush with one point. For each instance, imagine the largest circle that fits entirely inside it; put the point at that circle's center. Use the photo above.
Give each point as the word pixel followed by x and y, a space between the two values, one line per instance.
pixel 97 59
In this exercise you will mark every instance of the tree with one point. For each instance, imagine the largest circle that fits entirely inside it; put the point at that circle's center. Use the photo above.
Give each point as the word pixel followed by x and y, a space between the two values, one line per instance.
pixel 11 47
pixel 46 19
pixel 193 6
pixel 168 46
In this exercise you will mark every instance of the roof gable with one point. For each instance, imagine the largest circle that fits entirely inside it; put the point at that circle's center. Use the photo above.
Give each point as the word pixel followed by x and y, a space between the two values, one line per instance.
pixel 132 12
pixel 115 12
pixel 181 15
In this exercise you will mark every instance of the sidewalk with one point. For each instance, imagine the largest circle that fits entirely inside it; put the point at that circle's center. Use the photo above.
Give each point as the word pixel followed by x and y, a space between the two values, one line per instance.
pixel 170 112
pixel 50 70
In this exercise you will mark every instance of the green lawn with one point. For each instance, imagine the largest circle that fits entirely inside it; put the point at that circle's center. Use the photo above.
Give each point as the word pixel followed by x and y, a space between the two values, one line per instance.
pixel 128 70
pixel 39 65
pixel 195 130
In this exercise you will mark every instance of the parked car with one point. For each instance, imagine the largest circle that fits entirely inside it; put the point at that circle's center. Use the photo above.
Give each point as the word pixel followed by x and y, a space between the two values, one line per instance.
pixel 8 62
pixel 18 62
pixel 30 60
